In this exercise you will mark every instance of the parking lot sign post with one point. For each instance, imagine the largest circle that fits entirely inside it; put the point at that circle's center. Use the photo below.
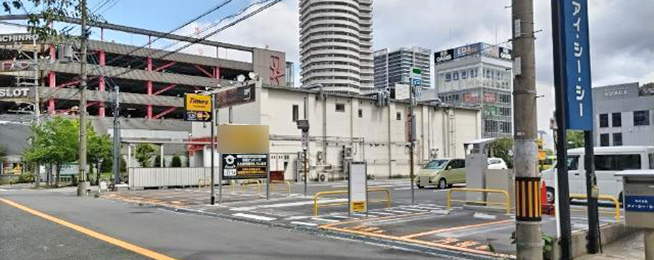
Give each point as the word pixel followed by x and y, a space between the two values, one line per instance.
pixel 574 110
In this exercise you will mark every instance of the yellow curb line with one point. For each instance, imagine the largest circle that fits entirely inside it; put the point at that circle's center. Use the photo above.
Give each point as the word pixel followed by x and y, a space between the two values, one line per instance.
pixel 91 233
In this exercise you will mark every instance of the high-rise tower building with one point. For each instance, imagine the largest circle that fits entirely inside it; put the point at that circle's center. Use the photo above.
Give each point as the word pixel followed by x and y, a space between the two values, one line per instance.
pixel 394 66
pixel 336 44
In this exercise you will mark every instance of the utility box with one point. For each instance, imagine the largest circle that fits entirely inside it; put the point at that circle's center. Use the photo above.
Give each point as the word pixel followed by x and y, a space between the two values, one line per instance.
pixel 638 198
pixel 477 167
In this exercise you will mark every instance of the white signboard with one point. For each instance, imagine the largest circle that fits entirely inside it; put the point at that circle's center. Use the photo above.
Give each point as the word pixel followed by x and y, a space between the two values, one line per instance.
pixel 358 183
pixel 402 91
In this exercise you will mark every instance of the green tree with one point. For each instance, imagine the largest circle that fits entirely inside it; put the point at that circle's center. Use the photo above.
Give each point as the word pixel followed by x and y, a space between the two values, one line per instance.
pixel 42 13
pixel 144 154
pixel 177 162
pixel 157 161
pixel 99 150
pixel 575 139
pixel 501 148
pixel 56 142
pixel 3 150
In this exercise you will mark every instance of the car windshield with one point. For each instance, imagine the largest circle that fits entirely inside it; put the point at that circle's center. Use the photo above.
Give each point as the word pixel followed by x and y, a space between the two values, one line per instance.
pixel 494 162
pixel 436 165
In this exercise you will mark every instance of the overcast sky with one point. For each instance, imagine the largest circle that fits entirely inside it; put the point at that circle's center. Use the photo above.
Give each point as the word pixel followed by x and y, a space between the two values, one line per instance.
pixel 622 31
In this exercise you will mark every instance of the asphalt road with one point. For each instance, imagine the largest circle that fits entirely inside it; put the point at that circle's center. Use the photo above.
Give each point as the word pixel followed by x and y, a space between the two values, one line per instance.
pixel 180 236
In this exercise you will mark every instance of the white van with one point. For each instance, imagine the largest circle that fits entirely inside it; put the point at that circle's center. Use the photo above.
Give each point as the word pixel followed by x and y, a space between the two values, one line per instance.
pixel 608 161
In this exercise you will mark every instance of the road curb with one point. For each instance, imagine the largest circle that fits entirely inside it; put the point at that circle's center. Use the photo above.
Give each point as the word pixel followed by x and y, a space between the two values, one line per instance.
pixel 316 231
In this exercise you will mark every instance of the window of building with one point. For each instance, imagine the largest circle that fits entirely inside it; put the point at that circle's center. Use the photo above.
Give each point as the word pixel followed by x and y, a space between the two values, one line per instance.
pixel 604 140
pixel 296 113
pixel 448 77
pixel 398 116
pixel 573 163
pixel 604 120
pixel 641 117
pixel 616 119
pixel 651 160
pixel 360 113
pixel 617 139
pixel 617 162
pixel 473 73
pixel 455 76
pixel 340 107
pixel 464 74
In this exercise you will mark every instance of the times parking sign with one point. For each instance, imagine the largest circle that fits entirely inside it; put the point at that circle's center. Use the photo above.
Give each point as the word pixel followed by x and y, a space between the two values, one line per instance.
pixel 244 166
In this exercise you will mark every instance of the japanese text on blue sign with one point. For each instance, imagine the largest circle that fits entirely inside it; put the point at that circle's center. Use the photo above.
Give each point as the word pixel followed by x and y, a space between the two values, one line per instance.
pixel 577 65
pixel 639 203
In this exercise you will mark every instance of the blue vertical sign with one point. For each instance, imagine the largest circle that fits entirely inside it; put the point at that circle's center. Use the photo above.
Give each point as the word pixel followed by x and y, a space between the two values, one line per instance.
pixel 576 61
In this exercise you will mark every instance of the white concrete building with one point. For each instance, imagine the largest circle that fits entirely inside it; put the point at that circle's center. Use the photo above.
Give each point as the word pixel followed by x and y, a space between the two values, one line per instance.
pixel 394 66
pixel 375 134
pixel 336 44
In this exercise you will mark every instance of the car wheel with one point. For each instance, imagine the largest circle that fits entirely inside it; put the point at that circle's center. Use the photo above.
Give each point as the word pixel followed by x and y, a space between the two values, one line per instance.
pixel 442 184
pixel 550 195
pixel 420 187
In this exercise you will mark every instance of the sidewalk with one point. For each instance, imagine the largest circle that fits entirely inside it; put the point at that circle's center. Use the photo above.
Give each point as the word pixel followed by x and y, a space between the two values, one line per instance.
pixel 628 248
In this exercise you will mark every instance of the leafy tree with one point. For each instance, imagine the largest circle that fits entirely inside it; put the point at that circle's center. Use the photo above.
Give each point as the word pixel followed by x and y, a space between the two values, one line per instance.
pixel 3 150
pixel 56 142
pixel 99 150
pixel 157 161
pixel 48 11
pixel 501 148
pixel 177 162
pixel 575 139
pixel 144 154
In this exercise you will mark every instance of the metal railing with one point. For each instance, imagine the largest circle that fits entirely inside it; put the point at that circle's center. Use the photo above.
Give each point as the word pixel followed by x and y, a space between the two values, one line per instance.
pixel 507 204
pixel 317 205
pixel 251 182
pixel 288 186
pixel 615 201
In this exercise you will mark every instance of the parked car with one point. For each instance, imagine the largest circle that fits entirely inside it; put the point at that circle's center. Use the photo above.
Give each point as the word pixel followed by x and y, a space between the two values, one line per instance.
pixel 442 173
pixel 497 164
pixel 608 161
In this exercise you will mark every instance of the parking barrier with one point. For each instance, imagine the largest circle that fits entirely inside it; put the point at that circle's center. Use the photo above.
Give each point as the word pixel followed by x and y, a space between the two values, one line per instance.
pixel 604 198
pixel 507 204
pixel 288 186
pixel 251 182
pixel 316 205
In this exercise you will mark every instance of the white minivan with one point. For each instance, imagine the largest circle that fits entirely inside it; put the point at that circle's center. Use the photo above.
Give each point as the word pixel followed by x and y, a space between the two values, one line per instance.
pixel 608 161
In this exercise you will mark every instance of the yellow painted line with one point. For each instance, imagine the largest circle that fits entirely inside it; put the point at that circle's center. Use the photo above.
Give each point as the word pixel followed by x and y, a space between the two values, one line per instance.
pixel 91 233
pixel 457 228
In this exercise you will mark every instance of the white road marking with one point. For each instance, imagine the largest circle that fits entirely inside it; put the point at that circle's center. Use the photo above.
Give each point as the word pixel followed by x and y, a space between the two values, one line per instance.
pixel 397 211
pixel 416 210
pixel 298 217
pixel 338 216
pixel 403 188
pixel 384 213
pixel 304 223
pixel 284 205
pixel 325 220
pixel 257 217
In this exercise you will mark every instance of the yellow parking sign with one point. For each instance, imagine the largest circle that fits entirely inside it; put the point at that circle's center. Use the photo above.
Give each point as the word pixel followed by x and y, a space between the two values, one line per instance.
pixel 197 103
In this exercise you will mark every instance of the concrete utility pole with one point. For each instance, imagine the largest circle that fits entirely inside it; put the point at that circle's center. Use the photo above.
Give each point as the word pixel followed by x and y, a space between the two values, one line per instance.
pixel 528 216
pixel 83 182
pixel 116 154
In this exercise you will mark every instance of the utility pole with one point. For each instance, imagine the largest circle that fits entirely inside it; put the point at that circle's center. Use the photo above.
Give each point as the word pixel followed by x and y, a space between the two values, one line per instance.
pixel 83 182
pixel 527 179
pixel 213 145
pixel 116 154
pixel 411 140
pixel 37 107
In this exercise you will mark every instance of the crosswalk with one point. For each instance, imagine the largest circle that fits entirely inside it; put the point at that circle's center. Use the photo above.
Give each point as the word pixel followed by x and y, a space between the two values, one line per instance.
pixel 272 214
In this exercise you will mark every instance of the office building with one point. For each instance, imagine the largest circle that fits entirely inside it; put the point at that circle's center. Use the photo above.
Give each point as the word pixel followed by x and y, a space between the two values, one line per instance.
pixel 336 44
pixel 624 115
pixel 478 75
pixel 394 66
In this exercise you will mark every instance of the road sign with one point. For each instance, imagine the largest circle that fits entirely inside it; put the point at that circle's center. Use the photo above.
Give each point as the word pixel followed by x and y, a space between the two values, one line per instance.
pixel 244 166
pixel 416 82
pixel 576 64
pixel 236 96
pixel 197 108
pixel 305 140
pixel 358 186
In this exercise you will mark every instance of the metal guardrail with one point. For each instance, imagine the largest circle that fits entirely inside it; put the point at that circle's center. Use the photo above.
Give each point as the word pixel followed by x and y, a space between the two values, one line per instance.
pixel 507 204
pixel 317 205
pixel 615 201
pixel 288 186
pixel 245 183
pixel 203 182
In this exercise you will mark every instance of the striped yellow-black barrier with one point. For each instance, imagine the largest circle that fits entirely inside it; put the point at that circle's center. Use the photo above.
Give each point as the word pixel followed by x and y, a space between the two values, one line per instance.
pixel 528 199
